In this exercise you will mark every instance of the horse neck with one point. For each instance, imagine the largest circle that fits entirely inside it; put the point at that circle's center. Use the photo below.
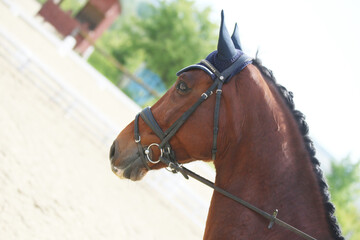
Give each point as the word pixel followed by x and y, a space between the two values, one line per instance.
pixel 270 167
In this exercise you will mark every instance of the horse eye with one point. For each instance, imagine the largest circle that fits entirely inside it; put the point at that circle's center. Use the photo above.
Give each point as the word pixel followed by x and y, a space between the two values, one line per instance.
pixel 182 87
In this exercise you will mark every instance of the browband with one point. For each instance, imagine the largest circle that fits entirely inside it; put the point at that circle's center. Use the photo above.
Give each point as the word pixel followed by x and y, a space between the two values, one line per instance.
pixel 208 68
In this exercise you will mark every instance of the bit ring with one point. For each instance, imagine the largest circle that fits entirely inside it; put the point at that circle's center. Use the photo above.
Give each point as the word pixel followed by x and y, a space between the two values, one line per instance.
pixel 147 152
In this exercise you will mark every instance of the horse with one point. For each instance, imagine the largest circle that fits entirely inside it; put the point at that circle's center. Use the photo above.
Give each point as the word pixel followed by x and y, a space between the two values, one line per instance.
pixel 259 145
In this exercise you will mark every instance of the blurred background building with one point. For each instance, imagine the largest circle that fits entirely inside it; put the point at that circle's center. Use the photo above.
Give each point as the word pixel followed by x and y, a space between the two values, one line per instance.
pixel 87 25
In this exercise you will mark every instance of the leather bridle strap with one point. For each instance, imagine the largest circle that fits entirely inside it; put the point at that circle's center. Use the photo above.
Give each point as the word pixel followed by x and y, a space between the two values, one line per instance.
pixel 219 78
pixel 216 120
pixel 171 162
pixel 222 77
pixel 170 132
pixel 149 119
pixel 165 137
pixel 239 64
pixel 138 142
pixel 273 219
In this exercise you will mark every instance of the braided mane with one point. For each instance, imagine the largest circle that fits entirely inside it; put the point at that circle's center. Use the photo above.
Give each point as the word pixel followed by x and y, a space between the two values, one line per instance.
pixel 304 129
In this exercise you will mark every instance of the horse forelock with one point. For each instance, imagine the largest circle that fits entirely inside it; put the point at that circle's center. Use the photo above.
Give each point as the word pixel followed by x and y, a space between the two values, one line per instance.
pixel 304 129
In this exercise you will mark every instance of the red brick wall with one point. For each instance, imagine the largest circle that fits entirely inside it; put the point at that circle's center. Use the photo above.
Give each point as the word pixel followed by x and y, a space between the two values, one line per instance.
pixel 65 24
pixel 62 21
pixel 111 13
pixel 104 5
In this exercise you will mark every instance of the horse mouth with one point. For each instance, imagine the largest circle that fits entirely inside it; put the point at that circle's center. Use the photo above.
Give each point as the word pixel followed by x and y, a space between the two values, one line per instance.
pixel 134 171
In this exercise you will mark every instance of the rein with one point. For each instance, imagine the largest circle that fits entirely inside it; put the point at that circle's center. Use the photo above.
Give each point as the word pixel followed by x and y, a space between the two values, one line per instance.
pixel 167 155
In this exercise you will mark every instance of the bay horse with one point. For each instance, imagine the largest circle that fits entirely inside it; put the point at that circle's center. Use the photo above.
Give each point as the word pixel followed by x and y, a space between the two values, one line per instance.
pixel 259 145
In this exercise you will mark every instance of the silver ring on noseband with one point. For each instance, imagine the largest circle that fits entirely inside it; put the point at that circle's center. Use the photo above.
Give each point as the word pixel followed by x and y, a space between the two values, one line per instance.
pixel 147 152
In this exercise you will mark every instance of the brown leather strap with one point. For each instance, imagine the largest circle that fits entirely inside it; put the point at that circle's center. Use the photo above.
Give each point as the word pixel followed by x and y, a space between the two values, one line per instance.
pixel 266 215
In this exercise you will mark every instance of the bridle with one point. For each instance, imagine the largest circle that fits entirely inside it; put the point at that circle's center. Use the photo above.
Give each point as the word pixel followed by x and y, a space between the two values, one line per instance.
pixel 167 155
pixel 166 151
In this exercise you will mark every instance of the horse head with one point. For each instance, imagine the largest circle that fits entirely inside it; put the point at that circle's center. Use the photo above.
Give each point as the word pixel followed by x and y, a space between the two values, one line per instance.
pixel 193 139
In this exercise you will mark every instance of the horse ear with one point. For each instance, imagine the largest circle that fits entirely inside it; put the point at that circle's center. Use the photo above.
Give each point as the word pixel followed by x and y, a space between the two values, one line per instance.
pixel 235 37
pixel 226 48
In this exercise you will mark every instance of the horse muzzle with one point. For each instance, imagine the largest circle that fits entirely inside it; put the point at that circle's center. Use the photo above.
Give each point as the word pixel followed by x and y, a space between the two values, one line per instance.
pixel 126 166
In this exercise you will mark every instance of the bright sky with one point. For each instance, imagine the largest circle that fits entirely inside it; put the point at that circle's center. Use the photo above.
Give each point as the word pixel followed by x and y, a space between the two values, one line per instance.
pixel 313 48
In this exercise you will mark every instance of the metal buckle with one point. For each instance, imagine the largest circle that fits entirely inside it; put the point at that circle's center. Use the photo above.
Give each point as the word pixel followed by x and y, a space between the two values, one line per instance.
pixel 204 95
pixel 147 152
pixel 138 140
pixel 272 220
pixel 171 167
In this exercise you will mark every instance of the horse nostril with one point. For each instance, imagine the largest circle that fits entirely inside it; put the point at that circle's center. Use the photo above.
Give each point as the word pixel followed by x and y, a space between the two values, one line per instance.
pixel 112 151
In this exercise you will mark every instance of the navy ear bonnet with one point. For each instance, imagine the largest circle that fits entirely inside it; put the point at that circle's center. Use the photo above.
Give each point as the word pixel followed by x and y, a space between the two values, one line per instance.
pixel 228 52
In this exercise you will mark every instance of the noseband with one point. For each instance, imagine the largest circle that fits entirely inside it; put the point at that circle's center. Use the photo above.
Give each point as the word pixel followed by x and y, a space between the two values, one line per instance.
pixel 167 155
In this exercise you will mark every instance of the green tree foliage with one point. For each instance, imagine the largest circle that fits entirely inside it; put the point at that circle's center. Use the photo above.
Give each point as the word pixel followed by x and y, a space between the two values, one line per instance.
pixel 167 37
pixel 344 182
pixel 101 63
pixel 74 6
